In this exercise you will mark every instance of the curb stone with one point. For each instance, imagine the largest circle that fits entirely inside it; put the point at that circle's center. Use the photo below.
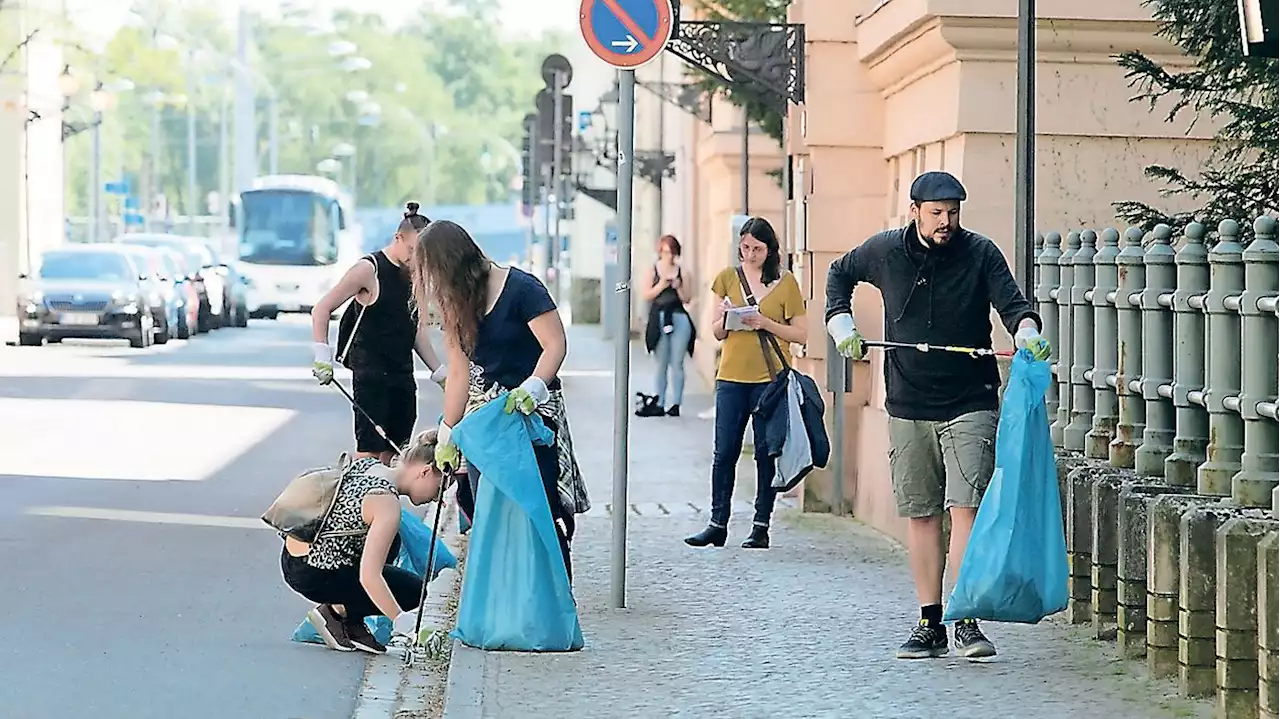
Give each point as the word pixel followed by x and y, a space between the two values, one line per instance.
pixel 464 690
pixel 390 687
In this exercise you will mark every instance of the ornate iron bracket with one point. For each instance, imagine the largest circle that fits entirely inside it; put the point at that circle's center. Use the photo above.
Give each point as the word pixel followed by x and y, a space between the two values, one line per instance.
pixel 761 60
pixel 655 165
pixel 608 198
pixel 686 96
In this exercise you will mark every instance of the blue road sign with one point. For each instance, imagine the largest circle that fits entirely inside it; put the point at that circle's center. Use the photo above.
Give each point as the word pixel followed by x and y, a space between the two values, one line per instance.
pixel 626 33
pixel 130 202
pixel 117 188
pixel 133 218
pixel 584 120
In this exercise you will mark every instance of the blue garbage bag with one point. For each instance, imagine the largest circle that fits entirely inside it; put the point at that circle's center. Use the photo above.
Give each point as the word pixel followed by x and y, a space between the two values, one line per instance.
pixel 415 541
pixel 1015 566
pixel 515 590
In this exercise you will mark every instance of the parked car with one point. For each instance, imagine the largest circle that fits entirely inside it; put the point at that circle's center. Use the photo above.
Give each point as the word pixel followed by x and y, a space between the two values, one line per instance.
pixel 158 292
pixel 209 284
pixel 236 286
pixel 189 322
pixel 88 291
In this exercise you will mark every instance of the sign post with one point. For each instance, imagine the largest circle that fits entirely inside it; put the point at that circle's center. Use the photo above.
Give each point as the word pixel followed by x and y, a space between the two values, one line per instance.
pixel 625 34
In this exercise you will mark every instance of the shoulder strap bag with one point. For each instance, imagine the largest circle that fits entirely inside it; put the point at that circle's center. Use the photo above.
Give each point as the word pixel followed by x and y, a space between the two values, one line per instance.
pixel 766 338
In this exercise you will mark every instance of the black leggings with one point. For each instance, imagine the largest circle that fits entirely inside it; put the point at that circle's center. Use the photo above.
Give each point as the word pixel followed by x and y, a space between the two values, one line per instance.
pixel 342 585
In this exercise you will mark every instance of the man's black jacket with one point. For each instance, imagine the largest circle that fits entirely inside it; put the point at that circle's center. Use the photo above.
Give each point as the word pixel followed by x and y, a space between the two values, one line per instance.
pixel 942 296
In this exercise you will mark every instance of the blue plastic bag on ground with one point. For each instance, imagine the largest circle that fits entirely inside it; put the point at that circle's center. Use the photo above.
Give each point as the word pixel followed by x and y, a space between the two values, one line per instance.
pixel 415 541
pixel 1015 566
pixel 515 590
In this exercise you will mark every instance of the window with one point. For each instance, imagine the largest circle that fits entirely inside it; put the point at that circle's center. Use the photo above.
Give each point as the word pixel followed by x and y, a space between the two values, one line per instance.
pixel 288 227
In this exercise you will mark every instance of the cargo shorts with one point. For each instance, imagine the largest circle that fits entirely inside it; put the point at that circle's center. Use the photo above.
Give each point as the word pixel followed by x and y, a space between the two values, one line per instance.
pixel 939 465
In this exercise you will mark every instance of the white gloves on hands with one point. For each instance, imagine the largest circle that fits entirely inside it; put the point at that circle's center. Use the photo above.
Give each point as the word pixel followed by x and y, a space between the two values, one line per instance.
pixel 322 365
pixel 531 394
pixel 440 374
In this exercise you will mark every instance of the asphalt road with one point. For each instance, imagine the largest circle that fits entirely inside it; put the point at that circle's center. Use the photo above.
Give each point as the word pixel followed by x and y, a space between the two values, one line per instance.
pixel 138 581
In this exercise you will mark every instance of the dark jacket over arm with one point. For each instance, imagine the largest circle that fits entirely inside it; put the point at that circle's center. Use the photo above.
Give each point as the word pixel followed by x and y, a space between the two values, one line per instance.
pixel 1003 291
pixel 845 274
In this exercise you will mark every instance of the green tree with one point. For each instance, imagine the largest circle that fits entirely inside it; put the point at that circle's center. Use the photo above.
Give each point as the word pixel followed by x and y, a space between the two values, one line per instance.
pixel 763 112
pixel 1239 180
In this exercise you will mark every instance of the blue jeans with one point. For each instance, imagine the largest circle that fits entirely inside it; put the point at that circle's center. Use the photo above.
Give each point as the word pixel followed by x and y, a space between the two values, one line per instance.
pixel 672 348
pixel 734 402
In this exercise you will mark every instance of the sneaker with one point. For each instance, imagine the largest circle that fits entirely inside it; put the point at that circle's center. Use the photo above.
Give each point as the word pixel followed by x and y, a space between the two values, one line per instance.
pixel 971 642
pixel 363 639
pixel 925 642
pixel 331 629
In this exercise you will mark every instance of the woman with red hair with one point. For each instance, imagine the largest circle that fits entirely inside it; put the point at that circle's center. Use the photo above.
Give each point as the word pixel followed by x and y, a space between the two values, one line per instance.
pixel 669 333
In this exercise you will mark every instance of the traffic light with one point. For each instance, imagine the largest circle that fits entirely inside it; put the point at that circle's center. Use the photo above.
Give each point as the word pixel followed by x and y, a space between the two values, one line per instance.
pixel 557 73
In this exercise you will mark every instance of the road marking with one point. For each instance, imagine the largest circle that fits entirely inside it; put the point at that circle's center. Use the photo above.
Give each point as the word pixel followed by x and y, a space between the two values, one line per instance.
pixel 129 440
pixel 133 515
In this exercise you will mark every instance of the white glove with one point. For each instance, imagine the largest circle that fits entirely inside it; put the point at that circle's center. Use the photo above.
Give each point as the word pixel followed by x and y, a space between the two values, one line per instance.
pixel 403 624
pixel 849 342
pixel 322 365
pixel 447 457
pixel 531 394
pixel 1028 337
pixel 440 374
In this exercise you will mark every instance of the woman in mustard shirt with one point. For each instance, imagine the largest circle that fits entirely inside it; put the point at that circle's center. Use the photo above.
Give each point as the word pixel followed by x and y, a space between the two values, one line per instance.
pixel 743 375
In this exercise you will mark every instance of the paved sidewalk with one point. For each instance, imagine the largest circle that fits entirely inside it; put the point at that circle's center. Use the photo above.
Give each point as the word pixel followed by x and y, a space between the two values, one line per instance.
pixel 805 629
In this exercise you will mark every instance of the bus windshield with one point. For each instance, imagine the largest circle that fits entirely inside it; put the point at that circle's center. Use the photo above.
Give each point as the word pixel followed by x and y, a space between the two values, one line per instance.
pixel 287 227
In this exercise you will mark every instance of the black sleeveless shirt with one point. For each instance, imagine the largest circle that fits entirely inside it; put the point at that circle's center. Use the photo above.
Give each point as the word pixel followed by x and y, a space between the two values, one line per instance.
pixel 668 298
pixel 384 339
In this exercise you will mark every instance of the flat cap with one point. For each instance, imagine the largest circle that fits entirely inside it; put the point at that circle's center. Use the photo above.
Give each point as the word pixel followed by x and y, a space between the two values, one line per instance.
pixel 937 187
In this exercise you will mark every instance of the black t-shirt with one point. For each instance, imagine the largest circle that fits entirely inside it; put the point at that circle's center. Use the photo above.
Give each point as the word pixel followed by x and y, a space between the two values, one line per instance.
pixel 506 349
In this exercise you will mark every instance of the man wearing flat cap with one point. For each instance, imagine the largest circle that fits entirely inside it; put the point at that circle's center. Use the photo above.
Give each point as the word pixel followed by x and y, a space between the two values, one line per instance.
pixel 939 282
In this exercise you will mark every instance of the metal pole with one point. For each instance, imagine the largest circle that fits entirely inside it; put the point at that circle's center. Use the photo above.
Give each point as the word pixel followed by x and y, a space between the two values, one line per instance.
pixel 746 163
pixel 662 150
pixel 532 173
pixel 95 178
pixel 246 130
pixel 224 159
pixel 547 254
pixel 557 87
pixel 431 167
pixel 153 186
pixel 1025 181
pixel 622 339
pixel 838 379
pixel 193 202
pixel 273 133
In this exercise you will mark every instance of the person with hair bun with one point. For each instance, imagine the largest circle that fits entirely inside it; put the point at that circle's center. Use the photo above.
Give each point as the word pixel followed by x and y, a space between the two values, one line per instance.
pixel 377 336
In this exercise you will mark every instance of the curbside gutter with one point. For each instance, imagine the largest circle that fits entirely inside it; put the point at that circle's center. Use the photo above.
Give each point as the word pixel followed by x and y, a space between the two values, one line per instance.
pixel 390 687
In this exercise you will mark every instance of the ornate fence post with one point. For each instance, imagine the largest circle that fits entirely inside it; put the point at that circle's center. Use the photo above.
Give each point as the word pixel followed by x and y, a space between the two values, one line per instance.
pixel 1098 440
pixel 1252 485
pixel 1047 306
pixel 1081 344
pixel 1157 353
pixel 1226 429
pixel 1066 276
pixel 1132 416
pixel 1191 422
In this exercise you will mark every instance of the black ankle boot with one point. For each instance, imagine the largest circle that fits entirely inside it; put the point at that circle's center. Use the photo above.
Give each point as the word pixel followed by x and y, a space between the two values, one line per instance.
pixel 674 411
pixel 714 536
pixel 759 538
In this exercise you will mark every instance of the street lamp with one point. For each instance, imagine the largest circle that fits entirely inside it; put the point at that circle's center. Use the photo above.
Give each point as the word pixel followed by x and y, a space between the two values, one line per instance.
pixel 68 84
pixel 1258 28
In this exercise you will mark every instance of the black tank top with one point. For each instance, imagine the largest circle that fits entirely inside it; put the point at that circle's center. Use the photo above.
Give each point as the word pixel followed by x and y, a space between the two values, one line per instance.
pixel 383 341
pixel 668 297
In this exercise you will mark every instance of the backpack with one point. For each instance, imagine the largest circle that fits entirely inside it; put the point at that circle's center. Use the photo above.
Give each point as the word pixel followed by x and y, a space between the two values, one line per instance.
pixel 304 506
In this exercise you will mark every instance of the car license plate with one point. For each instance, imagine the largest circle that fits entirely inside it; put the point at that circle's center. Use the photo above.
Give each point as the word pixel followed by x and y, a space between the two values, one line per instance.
pixel 79 319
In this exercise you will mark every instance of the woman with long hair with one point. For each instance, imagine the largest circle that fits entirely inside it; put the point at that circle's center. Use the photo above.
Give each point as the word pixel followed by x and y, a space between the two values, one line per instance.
pixel 377 336
pixel 502 333
pixel 752 300
pixel 669 333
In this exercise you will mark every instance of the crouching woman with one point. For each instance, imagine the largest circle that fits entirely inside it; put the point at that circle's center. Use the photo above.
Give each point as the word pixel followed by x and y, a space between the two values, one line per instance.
pixel 348 569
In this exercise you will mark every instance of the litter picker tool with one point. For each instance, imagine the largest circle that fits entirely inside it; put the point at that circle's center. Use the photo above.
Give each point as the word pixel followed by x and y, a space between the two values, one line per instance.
pixel 925 347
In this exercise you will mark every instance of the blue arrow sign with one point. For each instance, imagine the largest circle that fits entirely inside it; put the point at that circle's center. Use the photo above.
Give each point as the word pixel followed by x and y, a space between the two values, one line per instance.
pixel 626 33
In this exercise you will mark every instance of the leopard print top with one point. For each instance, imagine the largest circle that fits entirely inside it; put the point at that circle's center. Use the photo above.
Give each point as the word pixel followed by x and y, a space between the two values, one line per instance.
pixel 341 540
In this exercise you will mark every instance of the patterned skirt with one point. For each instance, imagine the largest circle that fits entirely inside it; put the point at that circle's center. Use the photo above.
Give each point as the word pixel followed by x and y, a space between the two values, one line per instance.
pixel 572 488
